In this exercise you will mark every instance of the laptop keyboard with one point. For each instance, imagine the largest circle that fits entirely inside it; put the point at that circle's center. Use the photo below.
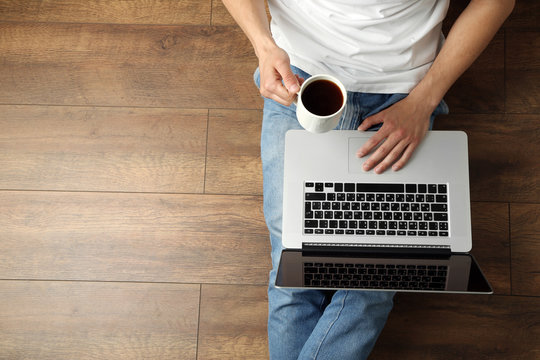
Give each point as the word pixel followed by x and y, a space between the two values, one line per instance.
pixel 376 209
pixel 375 276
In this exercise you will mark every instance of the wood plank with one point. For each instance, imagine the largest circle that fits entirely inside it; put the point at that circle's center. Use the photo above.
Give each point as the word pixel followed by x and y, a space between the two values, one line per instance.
pixel 524 15
pixel 481 88
pixel 167 12
pixel 126 65
pixel 71 320
pixel 441 327
pixel 523 71
pixel 233 322
pixel 133 237
pixel 221 16
pixel 491 243
pixel 503 155
pixel 233 164
pixel 102 149
pixel 525 249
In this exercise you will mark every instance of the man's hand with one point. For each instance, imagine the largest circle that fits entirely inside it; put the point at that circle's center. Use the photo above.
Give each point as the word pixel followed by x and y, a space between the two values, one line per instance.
pixel 278 82
pixel 404 126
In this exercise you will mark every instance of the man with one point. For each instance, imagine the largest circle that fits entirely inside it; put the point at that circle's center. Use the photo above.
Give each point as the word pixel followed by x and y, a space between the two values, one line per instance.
pixel 396 67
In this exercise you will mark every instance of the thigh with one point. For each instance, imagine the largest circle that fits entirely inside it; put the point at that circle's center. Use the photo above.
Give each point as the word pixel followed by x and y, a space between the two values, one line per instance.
pixel 292 313
pixel 349 326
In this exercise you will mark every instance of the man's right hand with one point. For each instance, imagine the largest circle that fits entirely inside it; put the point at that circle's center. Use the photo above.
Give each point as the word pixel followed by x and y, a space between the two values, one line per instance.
pixel 278 82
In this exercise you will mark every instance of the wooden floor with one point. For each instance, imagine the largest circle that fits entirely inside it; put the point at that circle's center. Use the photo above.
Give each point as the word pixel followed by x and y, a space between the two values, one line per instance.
pixel 130 189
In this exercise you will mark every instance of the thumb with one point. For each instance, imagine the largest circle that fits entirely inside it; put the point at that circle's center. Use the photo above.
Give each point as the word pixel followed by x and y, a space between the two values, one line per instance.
pixel 289 79
pixel 369 122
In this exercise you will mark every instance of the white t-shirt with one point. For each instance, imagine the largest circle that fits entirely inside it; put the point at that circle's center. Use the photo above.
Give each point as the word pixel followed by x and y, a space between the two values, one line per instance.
pixel 377 46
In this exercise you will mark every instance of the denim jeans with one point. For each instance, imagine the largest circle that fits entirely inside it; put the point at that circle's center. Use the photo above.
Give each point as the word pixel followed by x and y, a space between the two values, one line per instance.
pixel 313 324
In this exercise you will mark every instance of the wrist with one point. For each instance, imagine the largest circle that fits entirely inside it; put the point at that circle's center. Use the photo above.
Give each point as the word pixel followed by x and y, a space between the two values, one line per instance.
pixel 263 46
pixel 425 98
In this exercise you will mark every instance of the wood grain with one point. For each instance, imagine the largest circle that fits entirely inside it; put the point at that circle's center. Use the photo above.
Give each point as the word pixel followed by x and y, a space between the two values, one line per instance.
pixel 525 249
pixel 221 16
pixel 524 15
pixel 133 237
pixel 167 12
pixel 481 88
pixel 441 327
pixel 102 149
pixel 503 155
pixel 74 320
pixel 523 71
pixel 491 243
pixel 126 65
pixel 233 322
pixel 233 164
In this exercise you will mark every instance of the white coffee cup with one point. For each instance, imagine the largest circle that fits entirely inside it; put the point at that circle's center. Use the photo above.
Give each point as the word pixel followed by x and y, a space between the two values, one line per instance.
pixel 324 121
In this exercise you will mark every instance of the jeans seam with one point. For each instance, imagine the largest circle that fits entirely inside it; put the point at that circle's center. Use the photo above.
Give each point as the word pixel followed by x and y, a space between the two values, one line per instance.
pixel 316 354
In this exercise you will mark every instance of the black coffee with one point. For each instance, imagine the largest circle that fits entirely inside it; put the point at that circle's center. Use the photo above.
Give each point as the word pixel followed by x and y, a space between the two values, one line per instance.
pixel 322 98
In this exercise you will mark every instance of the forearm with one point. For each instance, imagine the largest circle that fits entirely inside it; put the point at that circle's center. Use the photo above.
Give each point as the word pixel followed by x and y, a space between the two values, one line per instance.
pixel 468 37
pixel 251 16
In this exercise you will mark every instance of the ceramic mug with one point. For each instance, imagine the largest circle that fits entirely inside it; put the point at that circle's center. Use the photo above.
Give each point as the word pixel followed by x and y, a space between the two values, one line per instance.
pixel 320 103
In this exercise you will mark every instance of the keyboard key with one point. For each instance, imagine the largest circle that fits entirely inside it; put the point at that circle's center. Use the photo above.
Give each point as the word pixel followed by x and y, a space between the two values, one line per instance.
pixel 311 223
pixel 441 198
pixel 439 207
pixel 349 187
pixel 410 188
pixel 380 188
pixel 440 217
pixel 315 196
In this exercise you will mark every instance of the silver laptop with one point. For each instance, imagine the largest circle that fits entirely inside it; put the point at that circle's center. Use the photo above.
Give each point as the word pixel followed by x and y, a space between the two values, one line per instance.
pixel 345 228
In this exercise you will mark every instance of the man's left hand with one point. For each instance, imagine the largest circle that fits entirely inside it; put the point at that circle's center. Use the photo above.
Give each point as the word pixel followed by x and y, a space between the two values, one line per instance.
pixel 404 126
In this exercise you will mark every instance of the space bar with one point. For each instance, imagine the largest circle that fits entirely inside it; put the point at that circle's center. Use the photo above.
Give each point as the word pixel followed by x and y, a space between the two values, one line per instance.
pixel 366 187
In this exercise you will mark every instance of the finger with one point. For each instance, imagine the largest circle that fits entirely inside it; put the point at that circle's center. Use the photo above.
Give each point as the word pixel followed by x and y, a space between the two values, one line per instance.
pixel 396 153
pixel 382 152
pixel 289 78
pixel 300 79
pixel 282 101
pixel 372 142
pixel 407 154
pixel 271 83
pixel 370 121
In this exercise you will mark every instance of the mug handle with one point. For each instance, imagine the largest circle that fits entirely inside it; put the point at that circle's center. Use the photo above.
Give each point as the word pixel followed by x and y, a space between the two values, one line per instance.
pixel 295 101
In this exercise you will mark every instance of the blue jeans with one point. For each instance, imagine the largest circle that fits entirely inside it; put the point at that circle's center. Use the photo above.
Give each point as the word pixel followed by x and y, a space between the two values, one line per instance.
pixel 313 324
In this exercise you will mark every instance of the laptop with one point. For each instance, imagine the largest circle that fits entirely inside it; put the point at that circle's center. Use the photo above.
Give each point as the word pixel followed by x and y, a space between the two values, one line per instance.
pixel 345 228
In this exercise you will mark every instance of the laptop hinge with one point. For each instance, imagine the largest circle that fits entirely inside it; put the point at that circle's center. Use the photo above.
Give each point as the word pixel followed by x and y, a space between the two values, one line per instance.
pixel 376 249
